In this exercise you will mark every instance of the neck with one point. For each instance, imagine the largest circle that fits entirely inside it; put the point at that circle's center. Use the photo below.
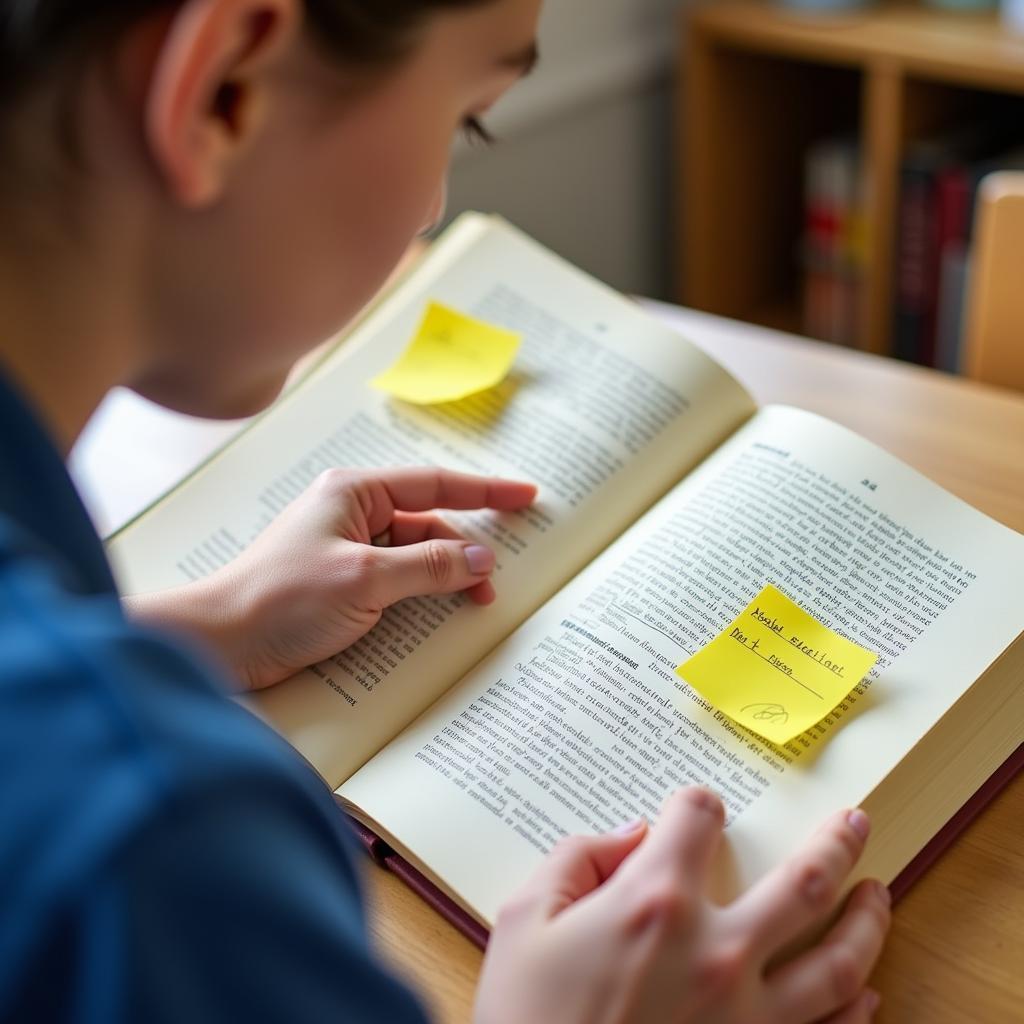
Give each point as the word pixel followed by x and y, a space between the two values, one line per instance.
pixel 63 342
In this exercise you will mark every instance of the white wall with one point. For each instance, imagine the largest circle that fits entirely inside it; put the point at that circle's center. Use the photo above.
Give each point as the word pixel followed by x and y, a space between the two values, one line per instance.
pixel 585 153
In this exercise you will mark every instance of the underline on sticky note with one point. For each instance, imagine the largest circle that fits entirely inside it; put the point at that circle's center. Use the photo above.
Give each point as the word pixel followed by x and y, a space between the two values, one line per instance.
pixel 779 669
pixel 451 356
pixel 801 672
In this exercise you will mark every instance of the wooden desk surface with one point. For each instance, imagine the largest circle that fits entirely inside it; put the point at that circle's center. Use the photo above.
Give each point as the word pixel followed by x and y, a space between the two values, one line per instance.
pixel 956 952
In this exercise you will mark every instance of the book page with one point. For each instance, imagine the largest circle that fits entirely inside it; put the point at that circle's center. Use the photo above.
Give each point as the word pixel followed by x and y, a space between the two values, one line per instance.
pixel 578 723
pixel 604 409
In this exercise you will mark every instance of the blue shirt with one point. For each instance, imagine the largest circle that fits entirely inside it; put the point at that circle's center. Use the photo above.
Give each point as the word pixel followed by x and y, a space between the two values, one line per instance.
pixel 163 855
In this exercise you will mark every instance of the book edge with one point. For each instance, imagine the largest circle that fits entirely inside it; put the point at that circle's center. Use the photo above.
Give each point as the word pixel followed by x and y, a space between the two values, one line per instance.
pixel 385 857
pixel 930 853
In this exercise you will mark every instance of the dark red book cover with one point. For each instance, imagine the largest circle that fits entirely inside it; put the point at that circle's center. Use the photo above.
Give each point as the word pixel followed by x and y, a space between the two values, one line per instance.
pixel 953 202
pixel 917 260
pixel 952 209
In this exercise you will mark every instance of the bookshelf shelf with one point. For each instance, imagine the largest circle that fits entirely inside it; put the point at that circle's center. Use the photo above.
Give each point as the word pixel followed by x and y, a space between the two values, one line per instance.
pixel 760 84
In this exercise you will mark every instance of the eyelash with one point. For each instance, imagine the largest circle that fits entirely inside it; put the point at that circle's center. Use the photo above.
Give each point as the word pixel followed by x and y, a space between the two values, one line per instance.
pixel 475 131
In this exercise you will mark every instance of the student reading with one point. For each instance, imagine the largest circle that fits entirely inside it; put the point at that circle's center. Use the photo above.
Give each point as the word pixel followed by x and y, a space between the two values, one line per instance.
pixel 192 194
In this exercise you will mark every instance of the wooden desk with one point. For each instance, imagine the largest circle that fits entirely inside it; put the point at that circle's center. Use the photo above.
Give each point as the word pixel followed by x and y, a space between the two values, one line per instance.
pixel 957 948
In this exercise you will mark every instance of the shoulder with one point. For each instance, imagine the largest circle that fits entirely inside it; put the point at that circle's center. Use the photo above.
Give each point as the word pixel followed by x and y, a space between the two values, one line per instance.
pixel 135 790
pixel 105 711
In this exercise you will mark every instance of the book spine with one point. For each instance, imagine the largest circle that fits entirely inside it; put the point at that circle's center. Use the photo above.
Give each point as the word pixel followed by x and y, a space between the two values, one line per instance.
pixel 916 264
pixel 952 205
pixel 832 241
pixel 820 230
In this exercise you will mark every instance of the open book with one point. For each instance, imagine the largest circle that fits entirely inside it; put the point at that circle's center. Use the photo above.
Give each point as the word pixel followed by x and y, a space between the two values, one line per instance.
pixel 471 739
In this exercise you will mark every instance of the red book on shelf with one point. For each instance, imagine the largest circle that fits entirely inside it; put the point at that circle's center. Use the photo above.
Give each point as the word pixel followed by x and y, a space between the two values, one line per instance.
pixel 953 201
pixel 952 210
pixel 831 246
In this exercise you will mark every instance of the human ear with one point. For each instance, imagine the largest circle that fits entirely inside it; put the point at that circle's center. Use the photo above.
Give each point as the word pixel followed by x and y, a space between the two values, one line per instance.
pixel 208 88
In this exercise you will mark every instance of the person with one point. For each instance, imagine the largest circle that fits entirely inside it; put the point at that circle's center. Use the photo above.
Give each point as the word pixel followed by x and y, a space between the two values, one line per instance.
pixel 192 194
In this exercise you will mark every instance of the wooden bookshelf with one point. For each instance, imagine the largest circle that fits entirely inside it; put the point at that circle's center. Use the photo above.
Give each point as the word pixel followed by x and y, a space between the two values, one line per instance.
pixel 760 83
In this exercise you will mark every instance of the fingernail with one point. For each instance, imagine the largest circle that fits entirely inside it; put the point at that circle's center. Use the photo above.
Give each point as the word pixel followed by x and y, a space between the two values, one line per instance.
pixel 479 559
pixel 705 800
pixel 628 827
pixel 859 822
pixel 872 1000
pixel 883 894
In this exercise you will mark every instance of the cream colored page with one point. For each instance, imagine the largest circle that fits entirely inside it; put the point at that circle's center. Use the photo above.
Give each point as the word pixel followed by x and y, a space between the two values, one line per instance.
pixel 604 409
pixel 577 722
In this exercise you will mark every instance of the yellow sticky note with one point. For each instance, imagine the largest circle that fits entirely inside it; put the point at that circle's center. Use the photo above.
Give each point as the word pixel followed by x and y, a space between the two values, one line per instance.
pixel 451 356
pixel 775 669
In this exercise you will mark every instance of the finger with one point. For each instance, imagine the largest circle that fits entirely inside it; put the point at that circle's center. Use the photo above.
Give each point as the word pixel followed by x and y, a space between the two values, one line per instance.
pixel 860 1011
pixel 683 841
pixel 415 527
pixel 576 866
pixel 831 975
pixel 802 891
pixel 430 567
pixel 483 593
pixel 421 489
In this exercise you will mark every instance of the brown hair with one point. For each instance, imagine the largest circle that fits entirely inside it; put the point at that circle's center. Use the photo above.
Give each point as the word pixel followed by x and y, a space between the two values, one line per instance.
pixel 34 34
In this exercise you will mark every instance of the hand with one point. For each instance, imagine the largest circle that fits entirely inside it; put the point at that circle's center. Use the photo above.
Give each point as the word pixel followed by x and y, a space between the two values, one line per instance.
pixel 313 582
pixel 617 928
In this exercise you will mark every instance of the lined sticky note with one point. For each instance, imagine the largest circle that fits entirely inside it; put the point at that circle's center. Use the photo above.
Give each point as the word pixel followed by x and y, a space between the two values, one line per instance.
pixel 451 356
pixel 775 669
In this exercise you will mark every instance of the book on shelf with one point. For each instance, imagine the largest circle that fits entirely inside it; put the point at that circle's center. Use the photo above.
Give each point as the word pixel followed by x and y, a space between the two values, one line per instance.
pixel 833 248
pixel 959 185
pixel 939 181
pixel 953 216
pixel 466 741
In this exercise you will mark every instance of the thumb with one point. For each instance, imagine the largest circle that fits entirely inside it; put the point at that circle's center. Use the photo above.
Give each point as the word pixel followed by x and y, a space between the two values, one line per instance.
pixel 431 567
pixel 580 864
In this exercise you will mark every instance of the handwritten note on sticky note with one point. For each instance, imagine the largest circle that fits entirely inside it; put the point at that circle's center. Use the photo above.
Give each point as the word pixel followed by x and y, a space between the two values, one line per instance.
pixel 775 669
pixel 451 356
